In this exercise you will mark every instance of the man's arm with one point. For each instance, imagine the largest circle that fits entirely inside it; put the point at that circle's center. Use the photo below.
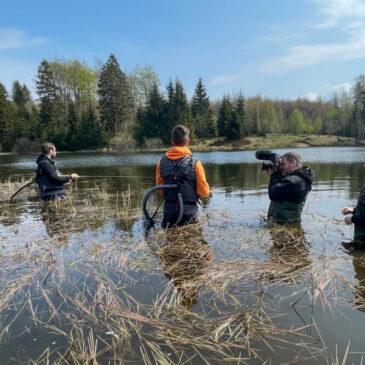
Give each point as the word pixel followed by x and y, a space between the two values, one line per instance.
pixel 358 219
pixel 159 179
pixel 285 189
pixel 202 187
pixel 51 172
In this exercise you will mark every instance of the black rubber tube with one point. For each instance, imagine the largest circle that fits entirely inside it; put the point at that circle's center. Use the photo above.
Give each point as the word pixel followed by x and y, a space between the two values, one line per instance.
pixel 147 196
pixel 21 189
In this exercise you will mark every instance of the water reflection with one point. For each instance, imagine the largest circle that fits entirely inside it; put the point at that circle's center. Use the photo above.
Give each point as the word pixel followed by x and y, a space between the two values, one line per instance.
pixel 184 256
pixel 289 248
pixel 358 261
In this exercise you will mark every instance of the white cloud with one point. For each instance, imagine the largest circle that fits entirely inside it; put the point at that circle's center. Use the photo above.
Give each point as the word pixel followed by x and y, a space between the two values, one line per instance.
pixel 311 96
pixel 308 55
pixel 347 16
pixel 334 11
pixel 14 38
pixel 329 91
pixel 344 87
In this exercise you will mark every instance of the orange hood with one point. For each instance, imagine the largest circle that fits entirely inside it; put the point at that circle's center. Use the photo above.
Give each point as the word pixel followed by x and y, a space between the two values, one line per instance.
pixel 177 152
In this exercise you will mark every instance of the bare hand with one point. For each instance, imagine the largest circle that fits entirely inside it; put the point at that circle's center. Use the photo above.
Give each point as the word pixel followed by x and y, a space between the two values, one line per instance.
pixel 347 210
pixel 269 172
pixel 74 177
pixel 348 219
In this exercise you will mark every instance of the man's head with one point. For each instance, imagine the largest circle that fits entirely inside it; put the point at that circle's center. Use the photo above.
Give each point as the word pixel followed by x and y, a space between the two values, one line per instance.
pixel 180 136
pixel 49 150
pixel 290 162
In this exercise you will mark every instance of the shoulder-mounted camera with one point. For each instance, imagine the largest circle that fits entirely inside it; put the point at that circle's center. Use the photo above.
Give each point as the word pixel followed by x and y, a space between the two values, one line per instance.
pixel 268 155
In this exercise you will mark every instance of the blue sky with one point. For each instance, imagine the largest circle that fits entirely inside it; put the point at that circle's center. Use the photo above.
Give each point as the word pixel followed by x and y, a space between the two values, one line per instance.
pixel 276 48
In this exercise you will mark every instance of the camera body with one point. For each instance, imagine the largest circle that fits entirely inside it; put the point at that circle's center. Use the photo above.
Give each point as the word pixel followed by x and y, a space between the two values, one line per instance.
pixel 267 166
pixel 268 155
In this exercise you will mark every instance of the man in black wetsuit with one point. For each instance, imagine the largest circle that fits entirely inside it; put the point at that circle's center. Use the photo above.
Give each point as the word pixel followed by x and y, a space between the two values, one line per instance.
pixel 289 186
pixel 50 183
pixel 357 217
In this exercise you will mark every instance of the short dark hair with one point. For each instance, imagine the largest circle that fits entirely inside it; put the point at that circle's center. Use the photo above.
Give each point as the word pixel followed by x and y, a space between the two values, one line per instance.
pixel 180 135
pixel 294 157
pixel 46 147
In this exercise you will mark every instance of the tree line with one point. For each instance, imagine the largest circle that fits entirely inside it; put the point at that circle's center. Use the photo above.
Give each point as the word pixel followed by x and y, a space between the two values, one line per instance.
pixel 80 107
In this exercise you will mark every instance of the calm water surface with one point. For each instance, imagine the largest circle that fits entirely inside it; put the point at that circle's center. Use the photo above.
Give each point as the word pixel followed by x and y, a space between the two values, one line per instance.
pixel 33 237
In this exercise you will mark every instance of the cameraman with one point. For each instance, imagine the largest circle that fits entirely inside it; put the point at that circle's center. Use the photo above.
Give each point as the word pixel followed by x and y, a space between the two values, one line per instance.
pixel 289 186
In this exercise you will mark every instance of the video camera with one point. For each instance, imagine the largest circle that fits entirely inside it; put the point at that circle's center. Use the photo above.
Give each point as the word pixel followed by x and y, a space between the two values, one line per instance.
pixel 269 156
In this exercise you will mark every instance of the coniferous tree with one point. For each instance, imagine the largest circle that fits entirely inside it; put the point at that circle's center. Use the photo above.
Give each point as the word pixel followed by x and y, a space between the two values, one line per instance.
pixel 20 94
pixel 73 127
pixel 27 116
pixel 224 116
pixel 7 120
pixel 358 109
pixel 241 115
pixel 51 111
pixel 152 120
pixel 234 129
pixel 178 110
pixel 139 132
pixel 156 121
pixel 115 99
pixel 202 113
pixel 90 135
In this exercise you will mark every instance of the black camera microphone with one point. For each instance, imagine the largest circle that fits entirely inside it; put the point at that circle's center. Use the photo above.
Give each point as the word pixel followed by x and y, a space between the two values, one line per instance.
pixel 265 155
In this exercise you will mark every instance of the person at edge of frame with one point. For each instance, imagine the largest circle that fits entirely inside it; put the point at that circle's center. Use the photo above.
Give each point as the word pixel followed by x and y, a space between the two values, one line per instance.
pixel 49 182
pixel 289 186
pixel 356 216
pixel 178 166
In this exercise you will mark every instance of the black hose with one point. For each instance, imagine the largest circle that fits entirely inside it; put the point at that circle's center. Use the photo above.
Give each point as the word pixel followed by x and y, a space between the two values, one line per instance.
pixel 22 188
pixel 147 196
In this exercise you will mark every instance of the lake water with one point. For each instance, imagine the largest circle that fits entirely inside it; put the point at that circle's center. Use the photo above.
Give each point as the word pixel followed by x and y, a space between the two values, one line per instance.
pixel 82 280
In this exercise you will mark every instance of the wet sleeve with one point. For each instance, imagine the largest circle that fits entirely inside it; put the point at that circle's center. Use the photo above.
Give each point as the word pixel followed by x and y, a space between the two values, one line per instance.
pixel 282 189
pixel 202 187
pixel 359 220
pixel 159 179
pixel 51 172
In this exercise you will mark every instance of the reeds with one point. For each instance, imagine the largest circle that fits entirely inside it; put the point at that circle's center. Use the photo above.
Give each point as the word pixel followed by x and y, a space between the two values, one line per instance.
pixel 105 295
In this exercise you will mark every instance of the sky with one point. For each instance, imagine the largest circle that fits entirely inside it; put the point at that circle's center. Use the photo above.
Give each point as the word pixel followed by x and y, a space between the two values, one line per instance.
pixel 281 49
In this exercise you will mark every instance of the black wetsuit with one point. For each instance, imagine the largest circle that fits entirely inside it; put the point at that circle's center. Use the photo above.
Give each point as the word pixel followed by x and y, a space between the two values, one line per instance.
pixel 288 195
pixel 49 182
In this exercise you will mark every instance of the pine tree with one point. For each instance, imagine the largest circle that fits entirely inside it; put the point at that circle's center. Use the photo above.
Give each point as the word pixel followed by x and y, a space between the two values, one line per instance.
pixel 234 129
pixel 358 109
pixel 202 113
pixel 20 94
pixel 89 134
pixel 73 126
pixel 25 118
pixel 224 116
pixel 114 98
pixel 177 110
pixel 241 115
pixel 51 111
pixel 7 120
pixel 152 121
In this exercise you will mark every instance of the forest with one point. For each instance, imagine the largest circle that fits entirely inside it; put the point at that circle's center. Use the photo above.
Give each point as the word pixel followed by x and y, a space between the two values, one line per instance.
pixel 80 107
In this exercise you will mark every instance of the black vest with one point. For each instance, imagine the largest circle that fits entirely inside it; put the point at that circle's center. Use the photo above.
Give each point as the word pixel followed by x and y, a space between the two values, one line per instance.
pixel 182 173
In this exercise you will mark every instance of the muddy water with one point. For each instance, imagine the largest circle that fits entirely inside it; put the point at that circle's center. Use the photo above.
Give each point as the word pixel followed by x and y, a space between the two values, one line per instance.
pixel 53 263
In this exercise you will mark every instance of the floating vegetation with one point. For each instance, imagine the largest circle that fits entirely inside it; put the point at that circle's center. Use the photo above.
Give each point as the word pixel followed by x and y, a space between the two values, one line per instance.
pixel 82 279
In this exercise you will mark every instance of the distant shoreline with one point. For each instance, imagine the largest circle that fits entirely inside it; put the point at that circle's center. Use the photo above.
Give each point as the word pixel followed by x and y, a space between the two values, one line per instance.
pixel 251 143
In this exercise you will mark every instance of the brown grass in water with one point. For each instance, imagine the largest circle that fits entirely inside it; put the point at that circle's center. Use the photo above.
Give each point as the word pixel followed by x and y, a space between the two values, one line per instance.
pixel 88 302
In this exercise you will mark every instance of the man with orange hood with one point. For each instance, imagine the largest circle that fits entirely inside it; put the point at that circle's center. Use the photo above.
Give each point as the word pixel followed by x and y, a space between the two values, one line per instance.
pixel 177 166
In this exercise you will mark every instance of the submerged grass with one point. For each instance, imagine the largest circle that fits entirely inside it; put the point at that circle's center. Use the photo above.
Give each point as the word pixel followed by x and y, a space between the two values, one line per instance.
pixel 103 294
